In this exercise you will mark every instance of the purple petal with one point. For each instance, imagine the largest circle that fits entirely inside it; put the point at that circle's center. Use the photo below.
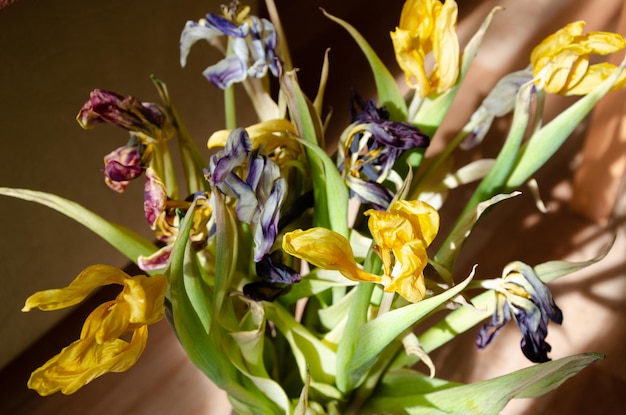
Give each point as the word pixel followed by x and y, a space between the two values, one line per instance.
pixel 226 72
pixel 192 33
pixel 156 261
pixel 126 112
pixel 155 196
pixel 501 316
pixel 233 155
pixel 370 192
pixel 226 27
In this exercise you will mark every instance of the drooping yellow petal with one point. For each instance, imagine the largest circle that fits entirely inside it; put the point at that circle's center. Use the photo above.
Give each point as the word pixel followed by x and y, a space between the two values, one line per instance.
pixel 326 249
pixel 423 217
pixel 445 48
pixel 101 348
pixel 84 360
pixel 561 61
pixel 402 235
pixel 428 26
pixel 91 278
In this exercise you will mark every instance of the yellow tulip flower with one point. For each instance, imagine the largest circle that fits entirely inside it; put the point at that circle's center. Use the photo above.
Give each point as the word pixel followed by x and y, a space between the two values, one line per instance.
pixel 401 236
pixel 561 61
pixel 100 348
pixel 428 26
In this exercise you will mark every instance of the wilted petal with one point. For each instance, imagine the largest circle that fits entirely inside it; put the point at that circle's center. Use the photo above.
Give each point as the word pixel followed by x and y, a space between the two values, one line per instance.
pixel 193 32
pixel 561 61
pixel 155 198
pixel 84 360
pixel 274 138
pixel 225 26
pixel 226 72
pixel 128 112
pixel 255 182
pixel 100 348
pixel 369 148
pixel 156 261
pixel 521 294
pixel 265 291
pixel 402 235
pixel 224 162
pixel 370 192
pixel 89 279
pixel 501 316
pixel 428 26
pixel 326 249
pixel 252 45
pixel 276 279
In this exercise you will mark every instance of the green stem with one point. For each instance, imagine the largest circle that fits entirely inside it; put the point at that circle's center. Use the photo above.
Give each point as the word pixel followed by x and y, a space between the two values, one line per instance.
pixel 230 108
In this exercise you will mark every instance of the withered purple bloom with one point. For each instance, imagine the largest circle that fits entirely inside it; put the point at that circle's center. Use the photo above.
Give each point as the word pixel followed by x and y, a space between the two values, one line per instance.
pixel 123 165
pixel 253 45
pixel 276 279
pixel 146 119
pixel 369 148
pixel 521 295
pixel 254 180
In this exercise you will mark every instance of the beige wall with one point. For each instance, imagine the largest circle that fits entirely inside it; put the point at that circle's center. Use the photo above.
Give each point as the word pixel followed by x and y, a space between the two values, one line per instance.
pixel 52 54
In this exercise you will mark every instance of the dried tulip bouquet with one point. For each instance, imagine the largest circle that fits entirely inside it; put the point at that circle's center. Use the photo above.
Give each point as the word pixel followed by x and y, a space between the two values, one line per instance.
pixel 275 294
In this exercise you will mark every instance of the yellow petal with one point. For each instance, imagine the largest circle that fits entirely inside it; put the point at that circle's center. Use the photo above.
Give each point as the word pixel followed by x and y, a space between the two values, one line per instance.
pixel 271 133
pixel 428 26
pixel 561 61
pixel 446 48
pixel 92 277
pixel 594 75
pixel 423 217
pixel 84 360
pixel 140 303
pixel 410 58
pixel 326 249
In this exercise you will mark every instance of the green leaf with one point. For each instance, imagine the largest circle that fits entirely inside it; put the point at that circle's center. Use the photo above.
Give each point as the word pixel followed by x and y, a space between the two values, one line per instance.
pixel 245 350
pixel 334 188
pixel 481 398
pixel 315 282
pixel 389 94
pixel 330 193
pixel 494 182
pixel 202 347
pixel 552 270
pixel 374 336
pixel 349 342
pixel 226 241
pixel 128 242
pixel 313 357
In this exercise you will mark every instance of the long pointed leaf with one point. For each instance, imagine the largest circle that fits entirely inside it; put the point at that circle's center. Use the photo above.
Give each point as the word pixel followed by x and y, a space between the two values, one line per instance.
pixel 204 348
pixel 377 334
pixel 389 94
pixel 481 398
